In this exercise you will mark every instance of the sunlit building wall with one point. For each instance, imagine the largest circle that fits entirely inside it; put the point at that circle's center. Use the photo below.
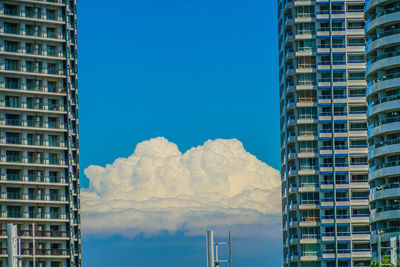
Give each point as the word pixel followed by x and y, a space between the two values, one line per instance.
pixel 324 151
pixel 39 152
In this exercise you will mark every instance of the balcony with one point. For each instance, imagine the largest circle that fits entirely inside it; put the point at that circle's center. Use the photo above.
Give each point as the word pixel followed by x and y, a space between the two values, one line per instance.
pixel 33 143
pixel 309 221
pixel 46 252
pixel 294 222
pixel 360 218
pixel 385 33
pixel 293 188
pixel 385 187
pixel 51 18
pixel 10 196
pixel 33 215
pixel 33 89
pixel 387 230
pixel 381 101
pixel 387 164
pixel 33 107
pixel 17 160
pixel 308 203
pixel 308 169
pixel 33 71
pixel 310 255
pixel 33 34
pixel 32 124
pixel 361 252
pixel 308 187
pixel 310 237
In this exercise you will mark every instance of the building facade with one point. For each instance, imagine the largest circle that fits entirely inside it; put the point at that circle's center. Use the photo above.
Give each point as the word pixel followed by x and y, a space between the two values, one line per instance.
pixel 383 96
pixel 39 152
pixel 324 151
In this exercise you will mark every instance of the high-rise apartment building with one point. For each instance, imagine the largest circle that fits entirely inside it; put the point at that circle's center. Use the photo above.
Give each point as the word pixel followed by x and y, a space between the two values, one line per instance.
pixel 324 151
pixel 383 77
pixel 39 152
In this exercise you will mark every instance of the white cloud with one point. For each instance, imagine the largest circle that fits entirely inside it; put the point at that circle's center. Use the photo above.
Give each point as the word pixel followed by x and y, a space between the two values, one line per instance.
pixel 158 188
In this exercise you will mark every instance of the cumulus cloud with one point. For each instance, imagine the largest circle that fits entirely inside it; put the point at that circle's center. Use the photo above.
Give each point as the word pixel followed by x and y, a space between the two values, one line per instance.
pixel 159 188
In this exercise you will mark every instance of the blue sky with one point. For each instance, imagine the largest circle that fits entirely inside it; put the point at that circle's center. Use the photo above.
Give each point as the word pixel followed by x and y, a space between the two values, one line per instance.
pixel 185 70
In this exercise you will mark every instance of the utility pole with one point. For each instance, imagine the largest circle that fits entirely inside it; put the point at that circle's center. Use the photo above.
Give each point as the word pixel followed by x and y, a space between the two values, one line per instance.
pixel 211 262
pixel 13 246
pixel 210 248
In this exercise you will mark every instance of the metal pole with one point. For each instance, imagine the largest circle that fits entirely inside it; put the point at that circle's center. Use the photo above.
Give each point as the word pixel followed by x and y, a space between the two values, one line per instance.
pixel 210 248
pixel 216 255
pixel 12 245
pixel 19 259
pixel 379 251
pixel 34 244
pixel 230 250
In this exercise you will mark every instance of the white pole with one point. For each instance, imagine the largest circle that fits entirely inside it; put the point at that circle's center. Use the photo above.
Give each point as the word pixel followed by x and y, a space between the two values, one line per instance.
pixel 12 245
pixel 393 251
pixel 210 248
pixel 379 251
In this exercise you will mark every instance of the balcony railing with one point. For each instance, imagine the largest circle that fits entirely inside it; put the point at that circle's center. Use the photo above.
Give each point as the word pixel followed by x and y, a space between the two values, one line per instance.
pixel 32 196
pixel 385 186
pixel 33 124
pixel 384 121
pixel 385 99
pixel 385 33
pixel 310 219
pixel 386 230
pixel 34 106
pixel 32 33
pixel 385 77
pixel 386 208
pixel 386 165
pixel 35 15
pixel 28 160
pixel 34 70
pixel 383 56
pixel 309 202
pixel 45 252
pixel 310 236
pixel 382 12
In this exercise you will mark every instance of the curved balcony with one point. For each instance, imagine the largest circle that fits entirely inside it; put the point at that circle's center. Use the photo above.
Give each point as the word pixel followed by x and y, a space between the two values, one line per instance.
pixel 385 147
pixel 383 104
pixel 372 3
pixel 384 126
pixel 385 169
pixel 385 82
pixel 385 191
pixel 385 16
pixel 385 233
pixel 382 39
pixel 381 62
pixel 385 213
